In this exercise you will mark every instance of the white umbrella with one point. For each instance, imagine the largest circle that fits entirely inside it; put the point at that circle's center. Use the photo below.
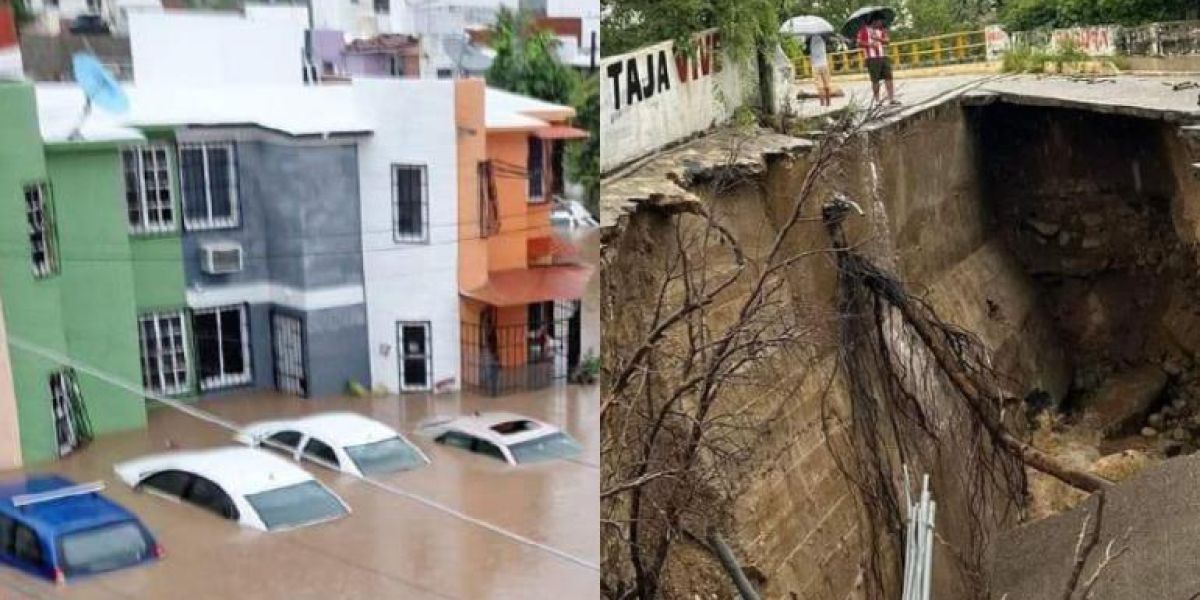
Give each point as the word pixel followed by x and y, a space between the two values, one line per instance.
pixel 806 25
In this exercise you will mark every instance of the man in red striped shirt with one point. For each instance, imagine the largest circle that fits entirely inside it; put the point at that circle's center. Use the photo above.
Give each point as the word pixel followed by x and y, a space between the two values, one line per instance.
pixel 872 41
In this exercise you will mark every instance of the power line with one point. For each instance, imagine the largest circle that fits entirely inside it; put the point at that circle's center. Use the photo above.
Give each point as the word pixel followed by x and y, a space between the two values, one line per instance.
pixel 212 419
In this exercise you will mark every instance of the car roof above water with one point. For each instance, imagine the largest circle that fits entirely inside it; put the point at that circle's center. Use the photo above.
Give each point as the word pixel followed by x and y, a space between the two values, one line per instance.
pixel 60 515
pixel 239 470
pixel 337 428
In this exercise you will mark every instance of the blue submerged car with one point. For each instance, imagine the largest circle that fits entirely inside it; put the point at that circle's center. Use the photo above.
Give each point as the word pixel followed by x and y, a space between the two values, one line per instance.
pixel 55 529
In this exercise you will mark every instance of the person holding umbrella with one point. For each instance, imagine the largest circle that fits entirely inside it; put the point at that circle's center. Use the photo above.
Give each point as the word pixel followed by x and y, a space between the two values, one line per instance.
pixel 814 29
pixel 870 24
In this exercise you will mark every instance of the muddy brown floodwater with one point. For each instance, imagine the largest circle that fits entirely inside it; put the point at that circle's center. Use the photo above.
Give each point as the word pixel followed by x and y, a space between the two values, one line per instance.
pixel 390 546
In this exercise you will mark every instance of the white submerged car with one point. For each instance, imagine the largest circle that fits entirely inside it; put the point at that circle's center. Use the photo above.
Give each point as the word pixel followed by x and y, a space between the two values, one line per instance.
pixel 255 488
pixel 345 441
pixel 510 437
pixel 571 214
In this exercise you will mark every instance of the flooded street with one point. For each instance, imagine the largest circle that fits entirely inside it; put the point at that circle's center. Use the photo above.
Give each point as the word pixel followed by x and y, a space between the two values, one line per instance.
pixel 390 546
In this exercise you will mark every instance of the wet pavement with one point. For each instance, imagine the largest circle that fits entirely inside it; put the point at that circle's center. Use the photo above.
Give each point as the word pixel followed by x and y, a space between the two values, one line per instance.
pixel 390 546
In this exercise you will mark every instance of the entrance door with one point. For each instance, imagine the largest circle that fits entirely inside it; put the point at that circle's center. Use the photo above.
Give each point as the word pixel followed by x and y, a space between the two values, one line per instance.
pixel 416 357
pixel 288 342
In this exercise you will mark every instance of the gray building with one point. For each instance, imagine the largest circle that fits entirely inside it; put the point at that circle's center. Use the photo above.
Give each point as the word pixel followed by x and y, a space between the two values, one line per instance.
pixel 272 250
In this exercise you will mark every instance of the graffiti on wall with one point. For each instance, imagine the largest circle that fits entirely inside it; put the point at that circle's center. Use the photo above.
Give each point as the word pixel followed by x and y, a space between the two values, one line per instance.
pixel 1099 40
pixel 659 94
pixel 640 76
pixel 997 41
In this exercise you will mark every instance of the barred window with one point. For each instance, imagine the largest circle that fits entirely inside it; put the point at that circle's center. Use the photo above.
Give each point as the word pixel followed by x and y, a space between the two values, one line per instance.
pixel 148 188
pixel 164 352
pixel 208 180
pixel 42 252
pixel 410 204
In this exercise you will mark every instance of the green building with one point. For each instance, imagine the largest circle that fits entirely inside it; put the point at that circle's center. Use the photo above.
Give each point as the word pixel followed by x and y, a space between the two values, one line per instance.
pixel 73 280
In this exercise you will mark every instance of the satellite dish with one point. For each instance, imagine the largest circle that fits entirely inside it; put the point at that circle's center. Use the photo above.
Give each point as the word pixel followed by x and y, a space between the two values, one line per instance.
pixel 99 87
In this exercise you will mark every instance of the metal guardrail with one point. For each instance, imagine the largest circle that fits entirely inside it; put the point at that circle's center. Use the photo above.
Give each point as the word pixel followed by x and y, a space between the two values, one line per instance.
pixel 948 49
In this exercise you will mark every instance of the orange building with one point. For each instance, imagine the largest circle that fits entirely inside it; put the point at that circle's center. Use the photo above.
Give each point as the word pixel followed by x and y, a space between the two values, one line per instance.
pixel 519 284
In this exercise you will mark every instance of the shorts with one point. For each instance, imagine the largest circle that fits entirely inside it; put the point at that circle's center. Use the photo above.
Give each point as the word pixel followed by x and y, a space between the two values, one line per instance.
pixel 822 78
pixel 880 68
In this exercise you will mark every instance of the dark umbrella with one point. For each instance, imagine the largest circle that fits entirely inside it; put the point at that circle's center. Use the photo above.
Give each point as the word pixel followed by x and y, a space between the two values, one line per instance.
pixel 861 16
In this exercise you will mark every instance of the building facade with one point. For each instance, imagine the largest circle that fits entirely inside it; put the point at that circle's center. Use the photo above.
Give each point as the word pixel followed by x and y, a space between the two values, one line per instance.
pixel 385 233
pixel 520 285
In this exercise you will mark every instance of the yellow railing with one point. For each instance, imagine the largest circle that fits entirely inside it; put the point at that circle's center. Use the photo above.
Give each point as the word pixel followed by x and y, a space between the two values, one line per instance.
pixel 948 49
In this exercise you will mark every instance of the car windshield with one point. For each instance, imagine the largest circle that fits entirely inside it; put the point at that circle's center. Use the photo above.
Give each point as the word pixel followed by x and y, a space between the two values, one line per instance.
pixel 385 456
pixel 555 445
pixel 296 505
pixel 104 548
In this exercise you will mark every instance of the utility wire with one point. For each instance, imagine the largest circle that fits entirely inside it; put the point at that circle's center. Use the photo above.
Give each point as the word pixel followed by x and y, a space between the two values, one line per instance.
pixel 233 427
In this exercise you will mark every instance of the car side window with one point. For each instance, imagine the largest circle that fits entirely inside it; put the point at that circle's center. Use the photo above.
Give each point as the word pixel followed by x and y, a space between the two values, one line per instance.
pixel 6 535
pixel 172 483
pixel 291 439
pixel 210 496
pixel 26 545
pixel 489 449
pixel 455 439
pixel 317 449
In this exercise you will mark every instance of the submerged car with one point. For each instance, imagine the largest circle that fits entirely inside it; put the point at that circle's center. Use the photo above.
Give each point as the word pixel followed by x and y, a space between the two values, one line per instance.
pixel 255 488
pixel 53 528
pixel 571 214
pixel 345 441
pixel 510 437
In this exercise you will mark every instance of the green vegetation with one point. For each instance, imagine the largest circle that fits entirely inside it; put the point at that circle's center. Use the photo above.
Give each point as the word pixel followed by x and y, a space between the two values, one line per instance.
pixel 631 24
pixel 583 158
pixel 526 62
pixel 1033 60
pixel 1018 15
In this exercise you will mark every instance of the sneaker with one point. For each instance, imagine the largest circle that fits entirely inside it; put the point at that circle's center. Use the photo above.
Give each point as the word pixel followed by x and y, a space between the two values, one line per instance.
pixel 894 103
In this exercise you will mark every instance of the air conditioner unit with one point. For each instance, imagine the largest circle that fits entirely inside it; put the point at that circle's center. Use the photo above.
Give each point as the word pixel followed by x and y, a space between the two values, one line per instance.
pixel 220 258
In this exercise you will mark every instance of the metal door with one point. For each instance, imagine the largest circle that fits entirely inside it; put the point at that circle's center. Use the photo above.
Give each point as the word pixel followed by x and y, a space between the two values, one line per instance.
pixel 416 357
pixel 288 342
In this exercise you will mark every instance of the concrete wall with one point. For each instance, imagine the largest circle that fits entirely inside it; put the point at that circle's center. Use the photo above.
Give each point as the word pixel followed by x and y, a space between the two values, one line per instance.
pixel 336 350
pixel 409 281
pixel 648 99
pixel 796 521
pixel 205 49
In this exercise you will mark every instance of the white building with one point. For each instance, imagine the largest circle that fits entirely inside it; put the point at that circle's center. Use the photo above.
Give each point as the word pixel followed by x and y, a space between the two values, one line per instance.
pixel 215 48
pixel 410 278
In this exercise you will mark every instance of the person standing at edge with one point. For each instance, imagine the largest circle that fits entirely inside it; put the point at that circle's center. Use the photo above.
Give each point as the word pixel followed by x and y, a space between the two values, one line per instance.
pixel 820 68
pixel 872 41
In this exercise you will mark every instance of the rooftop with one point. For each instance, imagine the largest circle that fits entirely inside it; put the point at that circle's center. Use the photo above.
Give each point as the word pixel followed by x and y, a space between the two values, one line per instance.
pixel 293 110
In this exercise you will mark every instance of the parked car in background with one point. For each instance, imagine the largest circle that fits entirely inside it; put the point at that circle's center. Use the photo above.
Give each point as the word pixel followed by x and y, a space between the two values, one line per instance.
pixel 345 441
pixel 510 437
pixel 255 488
pixel 53 528
pixel 570 214
pixel 88 25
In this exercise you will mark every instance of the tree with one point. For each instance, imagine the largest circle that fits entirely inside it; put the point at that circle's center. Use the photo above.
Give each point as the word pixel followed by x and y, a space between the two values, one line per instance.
pixel 526 62
pixel 630 24
pixel 1031 14
pixel 583 159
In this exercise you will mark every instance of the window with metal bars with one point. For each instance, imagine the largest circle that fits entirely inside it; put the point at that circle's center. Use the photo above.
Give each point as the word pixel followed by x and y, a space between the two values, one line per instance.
pixel 164 352
pixel 489 210
pixel 535 169
pixel 42 239
pixel 208 182
pixel 148 188
pixel 410 204
pixel 72 426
